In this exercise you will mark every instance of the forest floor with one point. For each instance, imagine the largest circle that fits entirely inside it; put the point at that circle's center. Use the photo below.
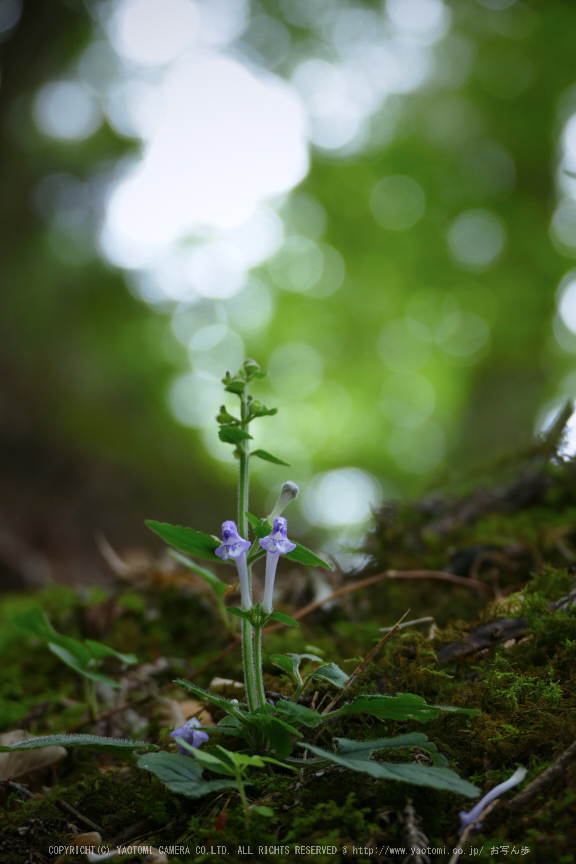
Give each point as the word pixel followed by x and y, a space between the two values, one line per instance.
pixel 490 563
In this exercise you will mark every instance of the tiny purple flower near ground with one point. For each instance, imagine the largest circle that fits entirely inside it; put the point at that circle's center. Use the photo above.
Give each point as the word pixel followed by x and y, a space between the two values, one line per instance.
pixel 233 546
pixel 189 733
pixel 467 818
pixel 276 543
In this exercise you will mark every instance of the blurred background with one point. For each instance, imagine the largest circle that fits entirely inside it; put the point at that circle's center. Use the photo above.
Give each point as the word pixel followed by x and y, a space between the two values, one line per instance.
pixel 370 198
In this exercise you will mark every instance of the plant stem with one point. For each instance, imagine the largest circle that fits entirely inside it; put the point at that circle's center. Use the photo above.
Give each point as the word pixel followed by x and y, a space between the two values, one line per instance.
pixel 90 697
pixel 248 665
pixel 243 489
pixel 243 798
pixel 258 665
pixel 244 472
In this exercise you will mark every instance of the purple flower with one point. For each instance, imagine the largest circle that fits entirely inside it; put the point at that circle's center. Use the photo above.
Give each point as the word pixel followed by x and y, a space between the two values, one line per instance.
pixel 467 818
pixel 277 541
pixel 275 544
pixel 189 733
pixel 233 546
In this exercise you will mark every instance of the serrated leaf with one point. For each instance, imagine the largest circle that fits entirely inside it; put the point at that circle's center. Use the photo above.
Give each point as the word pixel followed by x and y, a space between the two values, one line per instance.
pixel 403 706
pixel 285 663
pixel 233 434
pixel 420 775
pixel 284 619
pixel 216 584
pixel 219 701
pixel 186 539
pixel 240 613
pixel 332 673
pixel 99 650
pixel 301 555
pixel 298 714
pixel 269 457
pixel 109 745
pixel 181 774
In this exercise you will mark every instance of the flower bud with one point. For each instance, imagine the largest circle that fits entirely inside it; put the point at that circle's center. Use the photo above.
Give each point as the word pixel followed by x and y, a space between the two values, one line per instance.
pixel 288 493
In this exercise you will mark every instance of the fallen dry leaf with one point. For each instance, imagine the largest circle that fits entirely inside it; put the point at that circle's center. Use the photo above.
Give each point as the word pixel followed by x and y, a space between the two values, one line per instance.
pixel 20 763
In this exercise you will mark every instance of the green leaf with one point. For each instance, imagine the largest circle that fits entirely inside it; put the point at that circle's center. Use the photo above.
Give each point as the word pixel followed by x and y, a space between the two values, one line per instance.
pixel 301 555
pixel 233 434
pixel 260 526
pixel 224 417
pixel 240 613
pixel 108 745
pixel 332 673
pixel 268 457
pixel 216 584
pixel 267 812
pixel 278 734
pixel 219 701
pixel 286 664
pixel 570 174
pixel 234 385
pixel 181 774
pixel 73 662
pixel 187 539
pixel 257 409
pixel 35 623
pixel 218 762
pixel 284 619
pixel 298 714
pixel 363 749
pixel 403 706
pixel 291 663
pixel 420 775
pixel 99 651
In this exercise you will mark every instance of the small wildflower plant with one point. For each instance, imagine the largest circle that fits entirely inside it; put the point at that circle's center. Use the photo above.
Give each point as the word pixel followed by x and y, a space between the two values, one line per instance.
pixel 272 730
pixel 264 732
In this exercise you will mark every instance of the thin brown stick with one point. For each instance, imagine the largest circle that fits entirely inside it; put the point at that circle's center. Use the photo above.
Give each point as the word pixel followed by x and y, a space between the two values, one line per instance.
pixel 380 577
pixel 68 808
pixel 545 778
pixel 369 657
pixel 468 830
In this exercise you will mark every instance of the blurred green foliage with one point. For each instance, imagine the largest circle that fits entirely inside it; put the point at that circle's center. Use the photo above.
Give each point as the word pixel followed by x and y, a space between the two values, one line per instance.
pixel 86 366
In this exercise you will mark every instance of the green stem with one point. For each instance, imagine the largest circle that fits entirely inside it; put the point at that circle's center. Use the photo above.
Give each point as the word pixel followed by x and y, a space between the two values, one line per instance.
pixel 248 665
pixel 258 665
pixel 243 489
pixel 300 689
pixel 244 473
pixel 90 697
pixel 245 805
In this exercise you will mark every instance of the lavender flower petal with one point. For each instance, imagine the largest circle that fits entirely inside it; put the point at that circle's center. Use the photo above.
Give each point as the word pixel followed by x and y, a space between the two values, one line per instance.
pixel 189 733
pixel 277 540
pixel 467 818
pixel 233 546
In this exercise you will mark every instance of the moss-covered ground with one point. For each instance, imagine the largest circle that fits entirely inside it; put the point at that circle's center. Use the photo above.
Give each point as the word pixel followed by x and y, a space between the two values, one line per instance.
pixel 515 532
